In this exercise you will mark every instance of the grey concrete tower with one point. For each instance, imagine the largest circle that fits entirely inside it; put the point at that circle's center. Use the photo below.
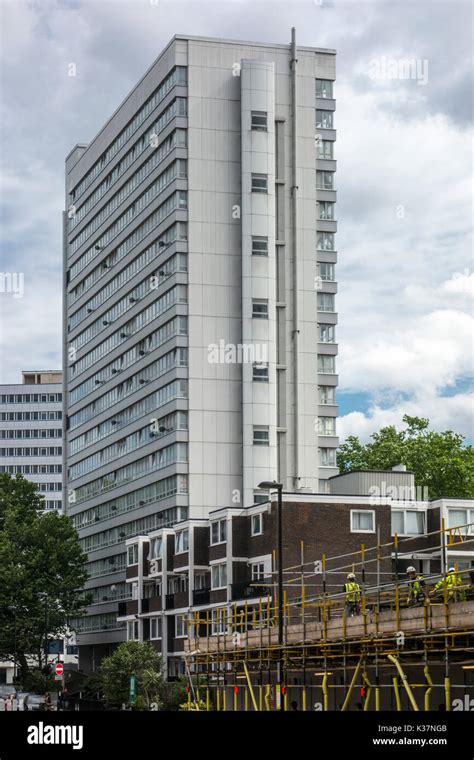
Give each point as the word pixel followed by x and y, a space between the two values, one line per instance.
pixel 199 299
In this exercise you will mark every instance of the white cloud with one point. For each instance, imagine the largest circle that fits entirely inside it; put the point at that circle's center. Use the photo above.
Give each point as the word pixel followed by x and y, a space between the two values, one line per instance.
pixel 458 290
pixel 33 340
pixel 419 355
pixel 449 413
pixel 405 287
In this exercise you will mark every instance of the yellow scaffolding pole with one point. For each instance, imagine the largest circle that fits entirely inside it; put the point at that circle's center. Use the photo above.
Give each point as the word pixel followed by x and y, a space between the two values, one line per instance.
pixel 354 679
pixel 249 683
pixel 325 692
pixel 267 696
pixel 366 680
pixel 404 681
pixel 397 693
pixel 447 691
pixel 428 690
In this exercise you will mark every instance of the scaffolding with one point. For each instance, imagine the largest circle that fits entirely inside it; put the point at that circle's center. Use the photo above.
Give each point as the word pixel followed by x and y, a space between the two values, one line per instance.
pixel 331 647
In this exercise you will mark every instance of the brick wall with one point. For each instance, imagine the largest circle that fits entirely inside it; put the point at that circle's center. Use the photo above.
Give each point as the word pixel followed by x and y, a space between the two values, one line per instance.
pixel 324 528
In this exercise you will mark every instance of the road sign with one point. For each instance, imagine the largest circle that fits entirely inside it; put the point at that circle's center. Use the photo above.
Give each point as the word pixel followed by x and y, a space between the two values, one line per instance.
pixel 133 689
pixel 58 678
pixel 59 669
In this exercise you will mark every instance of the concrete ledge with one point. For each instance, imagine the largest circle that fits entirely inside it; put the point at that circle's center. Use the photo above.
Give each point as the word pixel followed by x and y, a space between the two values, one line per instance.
pixel 411 621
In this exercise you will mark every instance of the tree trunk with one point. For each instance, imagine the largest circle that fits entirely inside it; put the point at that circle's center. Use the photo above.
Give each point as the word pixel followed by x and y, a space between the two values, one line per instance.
pixel 23 663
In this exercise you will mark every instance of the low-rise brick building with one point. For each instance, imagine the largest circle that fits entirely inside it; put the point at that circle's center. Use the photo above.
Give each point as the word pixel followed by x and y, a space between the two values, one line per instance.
pixel 230 560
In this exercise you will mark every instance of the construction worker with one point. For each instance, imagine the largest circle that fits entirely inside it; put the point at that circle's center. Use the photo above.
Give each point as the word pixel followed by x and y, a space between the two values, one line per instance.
pixel 453 585
pixel 352 591
pixel 416 588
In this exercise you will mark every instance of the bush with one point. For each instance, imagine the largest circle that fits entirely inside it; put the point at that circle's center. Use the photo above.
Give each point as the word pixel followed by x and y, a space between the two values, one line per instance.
pixel 172 694
pixel 193 705
pixel 132 658
pixel 140 704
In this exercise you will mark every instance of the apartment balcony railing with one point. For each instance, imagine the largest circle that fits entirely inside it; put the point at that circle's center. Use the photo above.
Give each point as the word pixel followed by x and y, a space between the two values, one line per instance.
pixel 201 596
pixel 251 589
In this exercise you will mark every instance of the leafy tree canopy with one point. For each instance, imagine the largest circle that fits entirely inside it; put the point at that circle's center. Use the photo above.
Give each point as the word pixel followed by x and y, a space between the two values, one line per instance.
pixel 440 461
pixel 42 572
pixel 141 660
pixel 132 658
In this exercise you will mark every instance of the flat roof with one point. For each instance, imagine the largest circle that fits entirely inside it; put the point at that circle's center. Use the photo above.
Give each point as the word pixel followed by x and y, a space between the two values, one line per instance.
pixel 386 472
pixel 229 41
pixel 217 41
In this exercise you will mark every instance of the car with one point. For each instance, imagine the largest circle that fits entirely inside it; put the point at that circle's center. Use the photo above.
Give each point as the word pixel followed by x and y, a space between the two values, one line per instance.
pixel 21 697
pixel 34 702
pixel 6 690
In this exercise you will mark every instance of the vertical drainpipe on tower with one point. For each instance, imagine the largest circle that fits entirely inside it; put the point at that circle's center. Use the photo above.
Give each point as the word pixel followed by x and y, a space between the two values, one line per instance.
pixel 229 568
pixel 294 242
pixel 65 368
pixel 164 616
pixel 141 560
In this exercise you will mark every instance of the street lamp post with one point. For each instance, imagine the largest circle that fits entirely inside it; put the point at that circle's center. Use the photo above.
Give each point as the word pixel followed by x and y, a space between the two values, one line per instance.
pixel 44 595
pixel 13 609
pixel 279 489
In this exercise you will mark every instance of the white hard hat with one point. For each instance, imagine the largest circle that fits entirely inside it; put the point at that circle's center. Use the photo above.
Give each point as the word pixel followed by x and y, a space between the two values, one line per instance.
pixel 351 575
pixel 411 569
pixel 451 569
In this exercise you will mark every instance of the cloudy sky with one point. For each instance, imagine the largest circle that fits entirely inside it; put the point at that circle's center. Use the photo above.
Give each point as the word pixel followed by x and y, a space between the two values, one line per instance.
pixel 404 177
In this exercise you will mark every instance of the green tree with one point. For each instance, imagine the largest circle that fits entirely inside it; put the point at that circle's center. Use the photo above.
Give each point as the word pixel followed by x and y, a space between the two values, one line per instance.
pixel 172 694
pixel 132 658
pixel 440 461
pixel 42 572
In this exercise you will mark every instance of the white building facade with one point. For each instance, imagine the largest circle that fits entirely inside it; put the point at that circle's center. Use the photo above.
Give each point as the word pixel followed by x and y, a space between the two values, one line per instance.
pixel 31 432
pixel 199 315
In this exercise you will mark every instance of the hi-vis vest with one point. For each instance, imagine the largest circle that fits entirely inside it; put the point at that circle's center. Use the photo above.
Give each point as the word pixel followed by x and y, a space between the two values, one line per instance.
pixel 414 588
pixel 452 583
pixel 352 592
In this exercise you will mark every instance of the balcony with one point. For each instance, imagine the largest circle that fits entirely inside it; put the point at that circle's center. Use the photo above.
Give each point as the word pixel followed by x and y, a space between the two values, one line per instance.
pixel 180 560
pixel 245 589
pixel 154 604
pixel 201 596
pixel 181 599
pixel 131 571
pixel 132 607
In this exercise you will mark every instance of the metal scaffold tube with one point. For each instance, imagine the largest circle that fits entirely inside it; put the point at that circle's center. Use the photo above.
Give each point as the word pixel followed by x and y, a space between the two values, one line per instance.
pixel 396 691
pixel 366 680
pixel 404 682
pixel 354 679
pixel 428 690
